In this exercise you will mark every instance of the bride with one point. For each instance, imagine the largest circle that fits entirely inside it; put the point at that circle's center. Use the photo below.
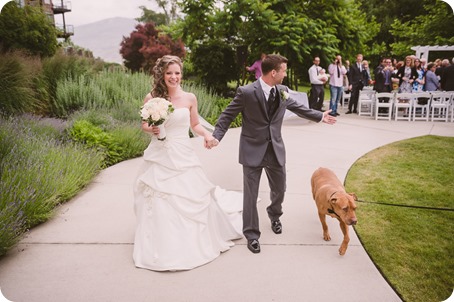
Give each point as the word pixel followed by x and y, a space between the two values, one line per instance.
pixel 183 220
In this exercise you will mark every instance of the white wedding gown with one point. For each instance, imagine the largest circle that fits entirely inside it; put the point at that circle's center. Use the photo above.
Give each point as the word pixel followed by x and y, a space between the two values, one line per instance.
pixel 183 220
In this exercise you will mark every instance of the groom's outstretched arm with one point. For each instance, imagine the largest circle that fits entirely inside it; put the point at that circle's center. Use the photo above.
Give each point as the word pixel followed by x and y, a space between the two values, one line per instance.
pixel 228 115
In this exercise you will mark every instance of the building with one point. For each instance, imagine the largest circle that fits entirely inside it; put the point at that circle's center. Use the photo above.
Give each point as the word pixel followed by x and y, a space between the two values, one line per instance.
pixel 52 8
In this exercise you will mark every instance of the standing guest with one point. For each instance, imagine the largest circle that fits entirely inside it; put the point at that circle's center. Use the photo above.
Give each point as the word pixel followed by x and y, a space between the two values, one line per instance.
pixel 317 93
pixel 423 62
pixel 356 80
pixel 432 83
pixel 394 79
pixel 447 80
pixel 366 73
pixel 406 75
pixel 336 83
pixel 257 67
pixel 262 105
pixel 418 84
pixel 383 72
pixel 439 72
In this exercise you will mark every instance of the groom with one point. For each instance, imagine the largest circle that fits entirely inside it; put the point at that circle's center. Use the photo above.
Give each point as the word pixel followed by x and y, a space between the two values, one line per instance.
pixel 263 104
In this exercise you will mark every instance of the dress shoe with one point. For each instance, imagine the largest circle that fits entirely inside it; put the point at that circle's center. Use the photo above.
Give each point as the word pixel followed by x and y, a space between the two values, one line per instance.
pixel 355 111
pixel 337 114
pixel 348 112
pixel 254 246
pixel 276 226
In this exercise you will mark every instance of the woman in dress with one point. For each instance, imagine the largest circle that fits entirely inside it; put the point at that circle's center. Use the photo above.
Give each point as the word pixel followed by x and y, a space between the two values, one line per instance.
pixel 418 84
pixel 183 220
pixel 406 75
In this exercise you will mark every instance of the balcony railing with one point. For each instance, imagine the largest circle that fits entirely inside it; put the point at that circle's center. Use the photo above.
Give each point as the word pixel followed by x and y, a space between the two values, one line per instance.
pixel 64 31
pixel 60 7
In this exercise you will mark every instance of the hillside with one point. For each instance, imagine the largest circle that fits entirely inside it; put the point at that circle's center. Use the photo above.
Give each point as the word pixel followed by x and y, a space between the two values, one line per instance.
pixel 103 37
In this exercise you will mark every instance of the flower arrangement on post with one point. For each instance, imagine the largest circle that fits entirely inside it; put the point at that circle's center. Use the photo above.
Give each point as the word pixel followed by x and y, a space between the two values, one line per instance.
pixel 156 111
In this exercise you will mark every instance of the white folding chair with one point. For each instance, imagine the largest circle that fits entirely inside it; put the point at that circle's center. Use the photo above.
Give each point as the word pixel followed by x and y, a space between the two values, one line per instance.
pixel 366 102
pixel 345 99
pixel 439 106
pixel 421 106
pixel 402 106
pixel 384 102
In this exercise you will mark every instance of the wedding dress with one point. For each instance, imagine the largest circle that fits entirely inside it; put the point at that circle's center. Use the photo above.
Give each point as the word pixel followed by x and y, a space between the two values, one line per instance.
pixel 183 220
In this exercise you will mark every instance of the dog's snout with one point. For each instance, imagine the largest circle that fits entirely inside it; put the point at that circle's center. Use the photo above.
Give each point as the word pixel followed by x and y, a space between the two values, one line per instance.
pixel 353 221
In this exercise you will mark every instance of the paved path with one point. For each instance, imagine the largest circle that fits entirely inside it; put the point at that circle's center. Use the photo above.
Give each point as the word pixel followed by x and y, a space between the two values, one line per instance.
pixel 85 252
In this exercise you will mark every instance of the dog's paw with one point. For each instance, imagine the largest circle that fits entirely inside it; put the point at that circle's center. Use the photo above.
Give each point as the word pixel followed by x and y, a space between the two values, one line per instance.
pixel 326 237
pixel 342 250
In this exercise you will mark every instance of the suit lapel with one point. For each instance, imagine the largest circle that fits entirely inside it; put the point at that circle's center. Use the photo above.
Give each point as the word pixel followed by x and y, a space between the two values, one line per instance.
pixel 260 95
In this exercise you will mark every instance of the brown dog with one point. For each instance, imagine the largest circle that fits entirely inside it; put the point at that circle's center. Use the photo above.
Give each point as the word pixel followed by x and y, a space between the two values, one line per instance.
pixel 331 199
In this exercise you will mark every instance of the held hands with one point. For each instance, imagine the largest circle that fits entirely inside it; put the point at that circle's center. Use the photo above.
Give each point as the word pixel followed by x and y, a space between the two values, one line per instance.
pixel 210 142
pixel 327 118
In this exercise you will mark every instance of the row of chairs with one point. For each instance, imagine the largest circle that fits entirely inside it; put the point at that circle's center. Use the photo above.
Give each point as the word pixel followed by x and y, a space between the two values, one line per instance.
pixel 434 106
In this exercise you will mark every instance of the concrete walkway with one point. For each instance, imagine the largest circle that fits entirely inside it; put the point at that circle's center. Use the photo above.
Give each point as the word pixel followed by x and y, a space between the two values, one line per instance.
pixel 85 252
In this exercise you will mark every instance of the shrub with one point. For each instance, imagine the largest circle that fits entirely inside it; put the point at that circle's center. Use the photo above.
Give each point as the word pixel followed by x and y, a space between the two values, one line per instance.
pixel 38 170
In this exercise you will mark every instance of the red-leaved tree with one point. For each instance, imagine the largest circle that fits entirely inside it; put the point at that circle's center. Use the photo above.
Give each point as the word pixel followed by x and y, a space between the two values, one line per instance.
pixel 145 45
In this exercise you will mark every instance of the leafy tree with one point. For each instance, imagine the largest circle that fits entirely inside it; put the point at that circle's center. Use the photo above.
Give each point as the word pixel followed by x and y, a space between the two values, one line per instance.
pixel 170 14
pixel 436 27
pixel 28 29
pixel 145 45
pixel 295 29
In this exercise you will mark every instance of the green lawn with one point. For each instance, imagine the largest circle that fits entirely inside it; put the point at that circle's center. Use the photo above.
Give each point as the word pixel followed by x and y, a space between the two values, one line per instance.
pixel 412 247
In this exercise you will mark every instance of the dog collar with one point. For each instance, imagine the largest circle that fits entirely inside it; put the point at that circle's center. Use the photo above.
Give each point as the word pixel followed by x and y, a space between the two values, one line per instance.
pixel 331 210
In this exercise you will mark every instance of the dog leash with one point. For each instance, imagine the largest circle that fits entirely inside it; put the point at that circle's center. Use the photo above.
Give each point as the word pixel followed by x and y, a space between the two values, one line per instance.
pixel 405 206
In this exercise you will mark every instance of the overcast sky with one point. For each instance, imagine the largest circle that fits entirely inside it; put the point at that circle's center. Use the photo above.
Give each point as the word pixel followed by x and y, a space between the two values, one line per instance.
pixel 89 11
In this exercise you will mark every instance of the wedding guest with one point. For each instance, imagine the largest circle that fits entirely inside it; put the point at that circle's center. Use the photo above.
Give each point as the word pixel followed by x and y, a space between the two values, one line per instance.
pixel 357 81
pixel 439 72
pixel 336 72
pixel 432 83
pixel 366 73
pixel 257 67
pixel 317 92
pixel 262 105
pixel 382 73
pixel 183 220
pixel 418 84
pixel 407 75
pixel 447 80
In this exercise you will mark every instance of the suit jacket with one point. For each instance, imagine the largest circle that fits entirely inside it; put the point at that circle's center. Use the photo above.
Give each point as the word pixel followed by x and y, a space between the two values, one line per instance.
pixel 355 76
pixel 447 78
pixel 259 128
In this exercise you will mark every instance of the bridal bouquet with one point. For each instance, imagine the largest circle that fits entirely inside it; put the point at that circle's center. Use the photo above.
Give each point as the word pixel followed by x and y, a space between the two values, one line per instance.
pixel 155 112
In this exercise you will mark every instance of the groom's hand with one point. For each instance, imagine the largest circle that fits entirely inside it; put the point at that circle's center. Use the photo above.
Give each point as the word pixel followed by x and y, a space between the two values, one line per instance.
pixel 327 118
pixel 211 143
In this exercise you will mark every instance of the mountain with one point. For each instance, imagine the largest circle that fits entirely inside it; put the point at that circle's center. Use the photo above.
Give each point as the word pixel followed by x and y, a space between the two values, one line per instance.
pixel 103 37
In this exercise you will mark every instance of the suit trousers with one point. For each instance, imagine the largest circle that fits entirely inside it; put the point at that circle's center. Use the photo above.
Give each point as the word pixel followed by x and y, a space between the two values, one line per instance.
pixel 251 180
pixel 353 104
pixel 316 97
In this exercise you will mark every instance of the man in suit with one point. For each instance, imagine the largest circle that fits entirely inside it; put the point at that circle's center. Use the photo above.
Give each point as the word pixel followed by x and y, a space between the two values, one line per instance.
pixel 447 79
pixel 356 80
pixel 263 104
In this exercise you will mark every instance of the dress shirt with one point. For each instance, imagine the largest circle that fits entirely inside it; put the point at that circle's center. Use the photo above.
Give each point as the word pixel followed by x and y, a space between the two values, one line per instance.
pixel 313 75
pixel 266 89
pixel 334 80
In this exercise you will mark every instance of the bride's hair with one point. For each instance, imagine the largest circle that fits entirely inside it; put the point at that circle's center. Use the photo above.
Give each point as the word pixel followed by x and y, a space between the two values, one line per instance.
pixel 159 69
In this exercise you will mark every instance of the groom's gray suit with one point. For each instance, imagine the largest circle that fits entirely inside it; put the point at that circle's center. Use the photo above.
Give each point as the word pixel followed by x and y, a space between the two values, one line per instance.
pixel 261 147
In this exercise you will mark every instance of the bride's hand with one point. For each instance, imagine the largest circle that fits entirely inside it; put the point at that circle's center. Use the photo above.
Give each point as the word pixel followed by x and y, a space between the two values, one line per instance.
pixel 155 130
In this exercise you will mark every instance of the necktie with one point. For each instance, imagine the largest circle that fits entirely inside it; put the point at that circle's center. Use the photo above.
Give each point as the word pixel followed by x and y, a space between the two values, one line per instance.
pixel 316 68
pixel 270 100
pixel 338 72
pixel 359 67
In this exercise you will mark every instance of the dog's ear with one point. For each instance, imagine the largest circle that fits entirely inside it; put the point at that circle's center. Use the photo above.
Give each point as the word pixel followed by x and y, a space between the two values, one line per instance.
pixel 333 200
pixel 354 196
